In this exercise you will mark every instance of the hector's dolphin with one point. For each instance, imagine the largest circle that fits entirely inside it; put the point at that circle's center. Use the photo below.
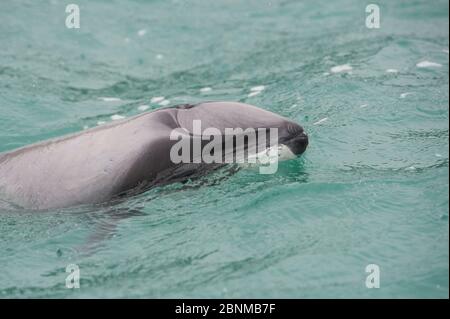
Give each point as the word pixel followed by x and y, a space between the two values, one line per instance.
pixel 99 164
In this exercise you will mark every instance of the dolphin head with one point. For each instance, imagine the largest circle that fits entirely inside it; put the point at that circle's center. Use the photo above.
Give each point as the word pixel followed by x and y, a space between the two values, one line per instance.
pixel 291 138
pixel 294 137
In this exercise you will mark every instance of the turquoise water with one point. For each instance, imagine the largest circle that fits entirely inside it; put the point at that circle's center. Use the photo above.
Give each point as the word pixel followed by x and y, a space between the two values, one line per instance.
pixel 372 188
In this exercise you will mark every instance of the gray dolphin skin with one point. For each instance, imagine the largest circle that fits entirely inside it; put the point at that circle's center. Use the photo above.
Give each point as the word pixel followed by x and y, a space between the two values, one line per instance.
pixel 99 164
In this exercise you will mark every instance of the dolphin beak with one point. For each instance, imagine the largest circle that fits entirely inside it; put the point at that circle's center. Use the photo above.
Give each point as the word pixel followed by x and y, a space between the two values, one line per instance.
pixel 298 143
pixel 297 139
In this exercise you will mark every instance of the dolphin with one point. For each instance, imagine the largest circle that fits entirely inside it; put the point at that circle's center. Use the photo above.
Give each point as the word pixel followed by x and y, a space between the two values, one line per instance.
pixel 131 155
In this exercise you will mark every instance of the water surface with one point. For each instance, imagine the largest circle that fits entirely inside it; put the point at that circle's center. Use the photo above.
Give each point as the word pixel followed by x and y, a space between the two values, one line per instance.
pixel 372 187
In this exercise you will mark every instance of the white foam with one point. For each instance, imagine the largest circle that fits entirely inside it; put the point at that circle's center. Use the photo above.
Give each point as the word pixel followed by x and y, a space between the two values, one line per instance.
pixel 411 168
pixel 251 94
pixel 85 127
pixel 143 107
pixel 164 102
pixel 142 32
pixel 363 106
pixel 159 56
pixel 445 51
pixel 438 155
pixel 428 64
pixel 205 89
pixel 326 73
pixel 109 99
pixel 392 71
pixel 321 121
pixel 258 88
pixel 403 95
pixel 101 122
pixel 157 99
pixel 116 117
pixel 341 68
pixel 272 154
